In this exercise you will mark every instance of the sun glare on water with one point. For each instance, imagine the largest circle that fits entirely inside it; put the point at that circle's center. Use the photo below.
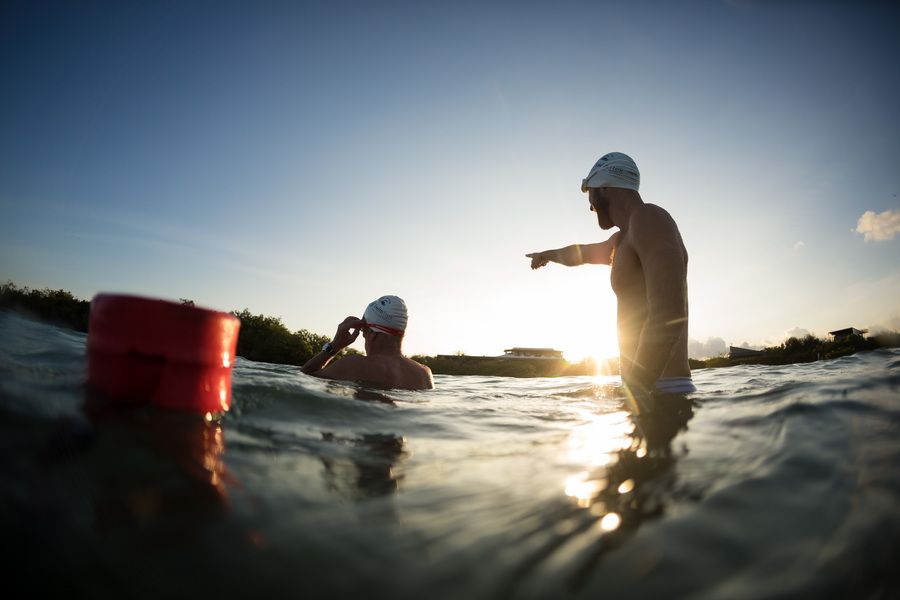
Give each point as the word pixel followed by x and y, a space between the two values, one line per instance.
pixel 592 446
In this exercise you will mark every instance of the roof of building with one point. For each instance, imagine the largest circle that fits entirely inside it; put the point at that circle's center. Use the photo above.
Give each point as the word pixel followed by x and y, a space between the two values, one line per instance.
pixel 522 349
pixel 738 351
pixel 848 330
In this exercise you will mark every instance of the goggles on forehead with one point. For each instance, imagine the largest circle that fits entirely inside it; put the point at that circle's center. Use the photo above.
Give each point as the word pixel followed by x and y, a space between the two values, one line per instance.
pixel 584 182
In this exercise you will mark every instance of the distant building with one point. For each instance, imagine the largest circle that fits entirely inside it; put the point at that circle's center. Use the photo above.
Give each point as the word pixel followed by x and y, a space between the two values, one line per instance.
pixel 737 352
pixel 843 334
pixel 533 353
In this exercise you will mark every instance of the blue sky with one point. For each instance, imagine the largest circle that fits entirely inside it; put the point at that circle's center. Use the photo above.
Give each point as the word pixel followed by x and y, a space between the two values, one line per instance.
pixel 301 160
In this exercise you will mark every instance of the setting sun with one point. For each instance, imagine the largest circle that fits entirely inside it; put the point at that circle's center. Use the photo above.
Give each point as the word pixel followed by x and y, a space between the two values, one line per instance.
pixel 599 351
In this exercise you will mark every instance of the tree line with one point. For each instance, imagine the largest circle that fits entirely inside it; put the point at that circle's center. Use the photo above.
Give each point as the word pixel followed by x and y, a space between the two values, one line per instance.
pixel 508 367
pixel 809 348
pixel 261 338
pixel 267 339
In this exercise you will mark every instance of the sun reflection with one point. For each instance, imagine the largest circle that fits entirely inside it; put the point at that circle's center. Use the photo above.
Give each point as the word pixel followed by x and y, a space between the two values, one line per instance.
pixel 596 442
pixel 626 486
pixel 610 522
pixel 613 457
pixel 583 489
pixel 223 396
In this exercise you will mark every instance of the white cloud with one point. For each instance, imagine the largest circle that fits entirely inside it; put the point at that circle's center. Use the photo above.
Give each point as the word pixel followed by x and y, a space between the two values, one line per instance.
pixel 887 326
pixel 759 344
pixel 879 227
pixel 799 245
pixel 797 332
pixel 714 346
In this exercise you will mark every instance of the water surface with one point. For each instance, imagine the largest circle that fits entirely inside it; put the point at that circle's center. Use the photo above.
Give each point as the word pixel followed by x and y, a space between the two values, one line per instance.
pixel 770 482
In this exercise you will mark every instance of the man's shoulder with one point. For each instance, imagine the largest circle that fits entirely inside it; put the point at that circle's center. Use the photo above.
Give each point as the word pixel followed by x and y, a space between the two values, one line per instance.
pixel 423 368
pixel 352 359
pixel 350 366
pixel 651 212
pixel 413 366
pixel 653 230
pixel 422 374
pixel 652 219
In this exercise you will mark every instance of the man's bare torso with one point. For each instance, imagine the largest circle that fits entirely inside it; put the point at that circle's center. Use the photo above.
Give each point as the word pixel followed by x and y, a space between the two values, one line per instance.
pixel 629 284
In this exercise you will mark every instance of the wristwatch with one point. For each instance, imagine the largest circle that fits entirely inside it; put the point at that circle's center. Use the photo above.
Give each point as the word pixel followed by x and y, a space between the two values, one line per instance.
pixel 328 349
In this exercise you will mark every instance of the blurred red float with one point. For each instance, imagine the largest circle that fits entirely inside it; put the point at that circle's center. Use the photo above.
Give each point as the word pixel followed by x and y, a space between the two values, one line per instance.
pixel 169 355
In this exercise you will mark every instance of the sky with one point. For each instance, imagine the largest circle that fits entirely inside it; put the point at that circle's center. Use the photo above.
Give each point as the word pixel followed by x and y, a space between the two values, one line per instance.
pixel 302 159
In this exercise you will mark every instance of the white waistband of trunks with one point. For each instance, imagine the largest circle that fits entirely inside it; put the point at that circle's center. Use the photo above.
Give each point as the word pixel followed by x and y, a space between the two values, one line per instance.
pixel 675 385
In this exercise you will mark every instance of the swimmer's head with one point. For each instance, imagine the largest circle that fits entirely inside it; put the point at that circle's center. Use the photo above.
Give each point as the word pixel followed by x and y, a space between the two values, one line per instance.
pixel 387 315
pixel 616 170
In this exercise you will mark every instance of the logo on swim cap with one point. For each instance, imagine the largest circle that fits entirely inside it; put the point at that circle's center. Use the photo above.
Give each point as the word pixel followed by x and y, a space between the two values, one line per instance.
pixel 614 169
pixel 387 315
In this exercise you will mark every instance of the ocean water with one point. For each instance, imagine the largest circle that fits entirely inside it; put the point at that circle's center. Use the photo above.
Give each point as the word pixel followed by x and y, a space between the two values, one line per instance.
pixel 770 482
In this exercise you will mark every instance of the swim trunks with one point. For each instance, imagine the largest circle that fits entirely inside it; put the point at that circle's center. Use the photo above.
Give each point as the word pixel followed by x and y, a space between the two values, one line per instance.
pixel 675 385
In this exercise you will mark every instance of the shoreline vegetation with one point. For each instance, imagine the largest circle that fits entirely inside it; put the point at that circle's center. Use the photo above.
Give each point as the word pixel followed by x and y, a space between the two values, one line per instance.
pixel 267 339
pixel 501 366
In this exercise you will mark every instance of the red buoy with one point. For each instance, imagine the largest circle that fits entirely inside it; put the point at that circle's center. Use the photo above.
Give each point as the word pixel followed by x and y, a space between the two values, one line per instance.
pixel 169 355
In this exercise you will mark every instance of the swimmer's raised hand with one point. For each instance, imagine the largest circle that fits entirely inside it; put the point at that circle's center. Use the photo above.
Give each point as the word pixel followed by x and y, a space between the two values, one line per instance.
pixel 347 332
pixel 537 259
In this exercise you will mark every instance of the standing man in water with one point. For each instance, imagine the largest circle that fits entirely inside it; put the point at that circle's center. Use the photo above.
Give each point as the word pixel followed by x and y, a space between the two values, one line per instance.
pixel 383 326
pixel 648 276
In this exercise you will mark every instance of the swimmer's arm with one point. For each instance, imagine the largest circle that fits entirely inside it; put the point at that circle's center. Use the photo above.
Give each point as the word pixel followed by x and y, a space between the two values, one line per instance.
pixel 658 245
pixel 315 364
pixel 346 334
pixel 577 254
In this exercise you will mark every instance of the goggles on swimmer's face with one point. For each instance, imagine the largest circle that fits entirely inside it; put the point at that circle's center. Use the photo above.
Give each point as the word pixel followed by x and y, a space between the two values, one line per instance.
pixel 377 328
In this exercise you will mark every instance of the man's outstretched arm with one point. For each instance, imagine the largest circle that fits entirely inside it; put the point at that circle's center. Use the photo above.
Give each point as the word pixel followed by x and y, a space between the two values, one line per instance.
pixel 658 244
pixel 577 254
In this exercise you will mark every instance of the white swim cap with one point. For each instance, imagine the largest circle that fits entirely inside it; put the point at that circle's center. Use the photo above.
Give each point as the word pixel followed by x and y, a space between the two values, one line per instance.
pixel 387 315
pixel 613 170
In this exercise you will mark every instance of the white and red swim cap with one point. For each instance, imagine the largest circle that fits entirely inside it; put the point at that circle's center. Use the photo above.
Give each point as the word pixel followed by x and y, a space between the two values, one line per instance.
pixel 387 315
pixel 613 170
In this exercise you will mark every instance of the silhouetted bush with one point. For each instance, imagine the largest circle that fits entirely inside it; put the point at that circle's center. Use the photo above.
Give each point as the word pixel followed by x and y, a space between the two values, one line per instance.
pixel 506 367
pixel 58 307
pixel 261 338
pixel 267 339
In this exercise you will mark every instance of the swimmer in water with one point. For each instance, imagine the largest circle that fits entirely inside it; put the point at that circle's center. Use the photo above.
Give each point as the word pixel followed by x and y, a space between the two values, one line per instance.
pixel 383 326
